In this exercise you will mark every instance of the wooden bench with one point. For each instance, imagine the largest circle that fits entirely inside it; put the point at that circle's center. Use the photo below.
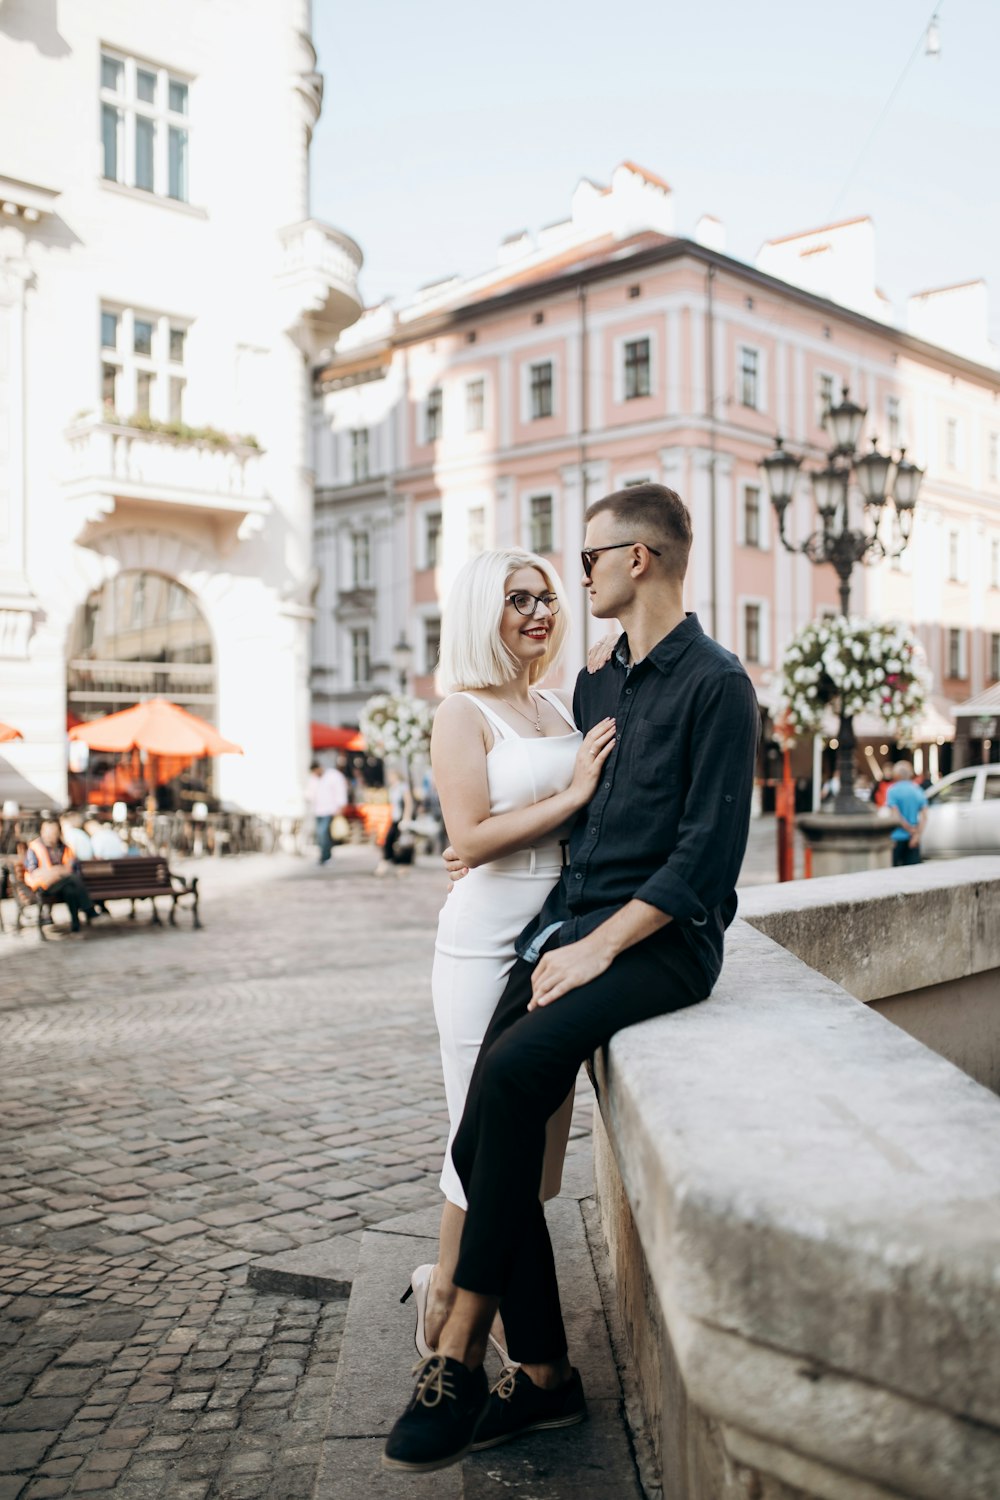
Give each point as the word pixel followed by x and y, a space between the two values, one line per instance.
pixel 133 879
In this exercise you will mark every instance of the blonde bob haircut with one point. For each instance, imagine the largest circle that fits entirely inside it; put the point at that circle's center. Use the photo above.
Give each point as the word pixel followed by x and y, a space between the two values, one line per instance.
pixel 472 653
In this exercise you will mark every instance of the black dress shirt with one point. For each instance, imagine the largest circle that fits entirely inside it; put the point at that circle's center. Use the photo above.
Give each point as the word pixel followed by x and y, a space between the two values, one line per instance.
pixel 668 823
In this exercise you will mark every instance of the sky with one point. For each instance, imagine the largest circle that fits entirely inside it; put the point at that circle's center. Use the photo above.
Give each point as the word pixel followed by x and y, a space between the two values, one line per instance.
pixel 447 125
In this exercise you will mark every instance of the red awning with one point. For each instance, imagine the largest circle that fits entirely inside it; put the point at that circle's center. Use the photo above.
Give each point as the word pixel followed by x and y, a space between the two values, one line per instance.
pixel 330 737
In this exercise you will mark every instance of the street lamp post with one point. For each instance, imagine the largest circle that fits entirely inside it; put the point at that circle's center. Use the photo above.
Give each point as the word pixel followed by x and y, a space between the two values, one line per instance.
pixel 402 657
pixel 885 484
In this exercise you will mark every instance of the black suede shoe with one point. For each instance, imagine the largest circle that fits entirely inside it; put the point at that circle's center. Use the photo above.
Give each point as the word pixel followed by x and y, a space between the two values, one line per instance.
pixel 438 1426
pixel 518 1405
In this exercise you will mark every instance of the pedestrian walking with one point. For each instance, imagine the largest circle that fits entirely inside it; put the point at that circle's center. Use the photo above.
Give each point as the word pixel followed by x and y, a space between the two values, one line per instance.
pixel 327 794
pixel 633 929
pixel 399 843
pixel 907 804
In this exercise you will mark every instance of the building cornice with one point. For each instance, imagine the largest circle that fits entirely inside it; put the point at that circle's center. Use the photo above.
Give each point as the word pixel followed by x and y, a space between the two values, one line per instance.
pixel 437 324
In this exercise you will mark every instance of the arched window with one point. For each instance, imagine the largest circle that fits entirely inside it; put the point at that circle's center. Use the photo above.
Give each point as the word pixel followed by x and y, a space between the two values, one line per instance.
pixel 140 635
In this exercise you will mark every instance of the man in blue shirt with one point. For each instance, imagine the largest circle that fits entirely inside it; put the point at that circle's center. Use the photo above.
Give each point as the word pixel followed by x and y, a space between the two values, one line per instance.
pixel 907 804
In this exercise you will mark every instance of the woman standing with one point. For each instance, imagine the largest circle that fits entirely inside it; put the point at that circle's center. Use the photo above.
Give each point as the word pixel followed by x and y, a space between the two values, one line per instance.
pixel 512 771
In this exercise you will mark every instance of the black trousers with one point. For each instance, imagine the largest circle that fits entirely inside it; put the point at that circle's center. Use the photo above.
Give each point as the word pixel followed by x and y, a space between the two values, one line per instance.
pixel 902 854
pixel 526 1066
pixel 71 889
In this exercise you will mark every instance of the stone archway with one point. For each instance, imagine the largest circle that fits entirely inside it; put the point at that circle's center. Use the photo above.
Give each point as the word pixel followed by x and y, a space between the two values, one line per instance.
pixel 139 634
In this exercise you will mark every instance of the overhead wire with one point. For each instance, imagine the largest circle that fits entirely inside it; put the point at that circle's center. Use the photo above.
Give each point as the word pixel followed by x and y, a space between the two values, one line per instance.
pixel 921 42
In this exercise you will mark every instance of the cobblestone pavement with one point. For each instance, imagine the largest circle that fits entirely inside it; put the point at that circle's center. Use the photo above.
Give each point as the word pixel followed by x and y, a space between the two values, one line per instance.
pixel 175 1104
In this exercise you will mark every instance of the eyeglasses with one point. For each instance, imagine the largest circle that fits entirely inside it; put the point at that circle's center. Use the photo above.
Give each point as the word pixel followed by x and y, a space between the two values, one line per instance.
pixel 589 553
pixel 526 604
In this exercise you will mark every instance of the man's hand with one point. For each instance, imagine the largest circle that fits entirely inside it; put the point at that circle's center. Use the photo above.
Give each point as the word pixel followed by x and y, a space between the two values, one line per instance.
pixel 566 969
pixel 457 869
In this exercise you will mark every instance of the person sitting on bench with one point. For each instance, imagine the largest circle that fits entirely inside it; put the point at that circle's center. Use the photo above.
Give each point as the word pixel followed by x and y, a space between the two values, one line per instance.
pixel 52 867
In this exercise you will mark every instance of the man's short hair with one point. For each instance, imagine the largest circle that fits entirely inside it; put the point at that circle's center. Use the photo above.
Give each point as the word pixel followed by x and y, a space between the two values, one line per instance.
pixel 315 766
pixel 654 515
pixel 49 823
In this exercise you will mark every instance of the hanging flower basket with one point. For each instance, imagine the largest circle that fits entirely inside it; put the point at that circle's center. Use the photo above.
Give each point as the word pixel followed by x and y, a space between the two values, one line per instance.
pixel 396 726
pixel 853 666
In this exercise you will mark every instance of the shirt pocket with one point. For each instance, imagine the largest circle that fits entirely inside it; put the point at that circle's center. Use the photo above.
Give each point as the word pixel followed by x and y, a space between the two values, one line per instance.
pixel 654 763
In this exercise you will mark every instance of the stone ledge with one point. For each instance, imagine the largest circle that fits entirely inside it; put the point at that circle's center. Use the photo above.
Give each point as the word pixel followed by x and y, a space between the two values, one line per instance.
pixel 817 1199
pixel 882 932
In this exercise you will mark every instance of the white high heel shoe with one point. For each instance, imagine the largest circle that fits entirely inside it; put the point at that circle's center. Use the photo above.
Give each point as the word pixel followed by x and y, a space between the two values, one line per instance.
pixel 418 1288
pixel 505 1359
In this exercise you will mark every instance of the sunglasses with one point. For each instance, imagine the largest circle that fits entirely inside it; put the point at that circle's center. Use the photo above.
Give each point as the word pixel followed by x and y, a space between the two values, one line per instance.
pixel 526 604
pixel 588 554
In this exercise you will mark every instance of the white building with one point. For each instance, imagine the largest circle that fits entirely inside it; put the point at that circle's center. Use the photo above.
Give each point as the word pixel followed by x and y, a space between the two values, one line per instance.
pixel 164 295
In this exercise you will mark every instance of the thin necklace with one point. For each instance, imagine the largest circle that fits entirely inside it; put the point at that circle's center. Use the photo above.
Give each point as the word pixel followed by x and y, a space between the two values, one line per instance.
pixel 537 720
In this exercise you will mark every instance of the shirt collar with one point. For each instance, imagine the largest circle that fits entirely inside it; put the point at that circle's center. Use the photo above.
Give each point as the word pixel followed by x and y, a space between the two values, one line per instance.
pixel 666 653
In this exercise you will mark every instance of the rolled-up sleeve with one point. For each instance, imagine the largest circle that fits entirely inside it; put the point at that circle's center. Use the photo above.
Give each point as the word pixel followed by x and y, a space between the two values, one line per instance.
pixel 704 865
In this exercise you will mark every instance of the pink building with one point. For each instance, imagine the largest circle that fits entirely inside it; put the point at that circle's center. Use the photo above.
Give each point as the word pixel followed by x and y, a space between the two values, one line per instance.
pixel 492 410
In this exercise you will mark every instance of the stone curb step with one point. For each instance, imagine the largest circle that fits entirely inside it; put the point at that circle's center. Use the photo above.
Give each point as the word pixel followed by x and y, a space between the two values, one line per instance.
pixel 322 1271
pixel 590 1462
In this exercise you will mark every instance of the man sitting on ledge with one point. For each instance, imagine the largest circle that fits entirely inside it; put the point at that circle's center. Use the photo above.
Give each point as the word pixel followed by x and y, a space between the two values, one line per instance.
pixel 633 930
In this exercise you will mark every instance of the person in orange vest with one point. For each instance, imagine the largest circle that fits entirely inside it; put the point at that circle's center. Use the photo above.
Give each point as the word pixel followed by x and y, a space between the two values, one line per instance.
pixel 50 865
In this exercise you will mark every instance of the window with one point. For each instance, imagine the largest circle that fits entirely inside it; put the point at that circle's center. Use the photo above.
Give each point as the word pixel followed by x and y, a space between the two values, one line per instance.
pixel 475 405
pixel 824 397
pixel 955 791
pixel 892 420
pixel 953 545
pixel 175 392
pixel 956 653
pixel 144 127
pixel 142 364
pixel 991 787
pixel 361 667
pixel 145 385
pixel 476 534
pixel 541 390
pixel 137 603
pixel 993 461
pixel 995 563
pixel 637 368
pixel 540 523
pixel 432 539
pixel 749 377
pixel 432 644
pixel 360 559
pixel 951 443
pixel 995 656
pixel 359 454
pixel 109 387
pixel 751 632
pixel 433 415
pixel 751 516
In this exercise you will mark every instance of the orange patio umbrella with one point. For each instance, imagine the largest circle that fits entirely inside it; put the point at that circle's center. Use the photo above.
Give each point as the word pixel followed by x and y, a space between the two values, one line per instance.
pixel 8 732
pixel 158 727
pixel 331 737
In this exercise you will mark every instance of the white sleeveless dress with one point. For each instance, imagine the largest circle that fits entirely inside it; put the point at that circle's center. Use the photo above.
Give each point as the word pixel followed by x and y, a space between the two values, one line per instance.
pixel 483 916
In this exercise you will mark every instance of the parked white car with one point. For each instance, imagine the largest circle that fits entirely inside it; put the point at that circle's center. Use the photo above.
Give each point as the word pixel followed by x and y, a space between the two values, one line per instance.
pixel 963 814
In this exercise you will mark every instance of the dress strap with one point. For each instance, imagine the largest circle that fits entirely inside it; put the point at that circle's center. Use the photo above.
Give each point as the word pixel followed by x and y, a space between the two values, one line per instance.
pixel 557 704
pixel 494 720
